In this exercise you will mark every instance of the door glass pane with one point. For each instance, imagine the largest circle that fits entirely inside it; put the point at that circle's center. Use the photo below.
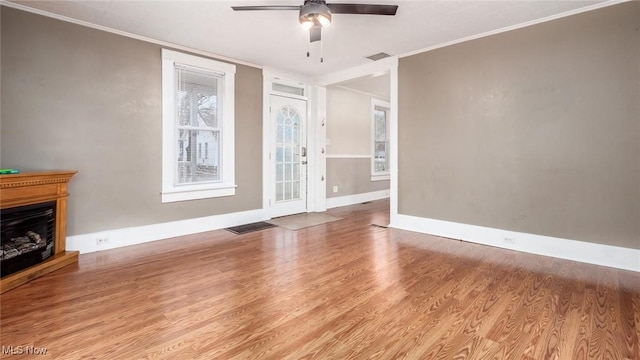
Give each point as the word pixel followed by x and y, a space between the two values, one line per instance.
pixel 296 190
pixel 288 158
pixel 287 172
pixel 280 134
pixel 287 154
pixel 296 171
pixel 287 190
pixel 287 134
pixel 279 192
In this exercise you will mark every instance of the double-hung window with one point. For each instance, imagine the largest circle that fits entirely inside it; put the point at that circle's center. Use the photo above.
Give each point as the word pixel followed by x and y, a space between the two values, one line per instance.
pixel 197 127
pixel 380 140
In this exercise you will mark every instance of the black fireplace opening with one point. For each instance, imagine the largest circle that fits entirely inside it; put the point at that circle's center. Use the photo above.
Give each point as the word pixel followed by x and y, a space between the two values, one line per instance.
pixel 27 236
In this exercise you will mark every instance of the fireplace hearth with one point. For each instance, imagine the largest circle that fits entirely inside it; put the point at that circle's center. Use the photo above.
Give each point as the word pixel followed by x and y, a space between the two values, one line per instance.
pixel 33 213
pixel 27 236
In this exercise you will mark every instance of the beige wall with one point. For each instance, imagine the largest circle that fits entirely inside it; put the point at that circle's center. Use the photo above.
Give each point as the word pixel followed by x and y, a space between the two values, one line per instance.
pixel 349 132
pixel 352 176
pixel 348 122
pixel 535 130
pixel 82 99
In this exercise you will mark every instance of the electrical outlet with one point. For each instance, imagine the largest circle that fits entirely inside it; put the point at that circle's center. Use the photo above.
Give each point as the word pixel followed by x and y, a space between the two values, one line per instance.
pixel 102 241
pixel 509 240
pixel 335 189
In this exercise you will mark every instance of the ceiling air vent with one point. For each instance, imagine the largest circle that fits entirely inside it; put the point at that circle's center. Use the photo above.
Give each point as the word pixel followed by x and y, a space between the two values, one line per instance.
pixel 378 56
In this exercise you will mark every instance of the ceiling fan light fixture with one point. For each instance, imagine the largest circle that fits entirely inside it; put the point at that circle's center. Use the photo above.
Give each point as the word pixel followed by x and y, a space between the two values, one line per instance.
pixel 323 20
pixel 307 24
pixel 317 13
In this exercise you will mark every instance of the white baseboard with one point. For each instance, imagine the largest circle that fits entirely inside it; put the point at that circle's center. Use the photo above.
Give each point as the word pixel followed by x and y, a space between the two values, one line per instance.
pixel 356 198
pixel 586 252
pixel 87 243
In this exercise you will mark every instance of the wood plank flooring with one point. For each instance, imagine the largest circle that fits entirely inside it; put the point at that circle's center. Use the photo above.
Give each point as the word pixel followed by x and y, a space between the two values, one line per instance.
pixel 342 290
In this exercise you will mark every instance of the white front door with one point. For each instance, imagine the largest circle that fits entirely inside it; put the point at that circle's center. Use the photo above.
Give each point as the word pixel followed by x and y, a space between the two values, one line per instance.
pixel 288 160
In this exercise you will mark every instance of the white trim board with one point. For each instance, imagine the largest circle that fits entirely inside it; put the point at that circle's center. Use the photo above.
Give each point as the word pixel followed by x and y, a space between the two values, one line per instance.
pixel 117 238
pixel 516 26
pixel 370 94
pixel 348 156
pixel 375 68
pixel 591 253
pixel 356 198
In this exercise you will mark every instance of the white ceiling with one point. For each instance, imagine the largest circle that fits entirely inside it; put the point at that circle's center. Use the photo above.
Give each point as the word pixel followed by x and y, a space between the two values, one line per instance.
pixel 275 39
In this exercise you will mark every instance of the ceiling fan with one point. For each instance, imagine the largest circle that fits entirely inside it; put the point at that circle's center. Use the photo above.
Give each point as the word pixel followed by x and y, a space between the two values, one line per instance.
pixel 316 14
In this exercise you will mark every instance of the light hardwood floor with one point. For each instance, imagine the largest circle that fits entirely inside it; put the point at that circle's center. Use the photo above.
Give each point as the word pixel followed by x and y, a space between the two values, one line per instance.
pixel 340 290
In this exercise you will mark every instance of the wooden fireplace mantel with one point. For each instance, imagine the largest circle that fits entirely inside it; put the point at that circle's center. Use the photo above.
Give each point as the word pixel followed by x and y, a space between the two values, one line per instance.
pixel 34 188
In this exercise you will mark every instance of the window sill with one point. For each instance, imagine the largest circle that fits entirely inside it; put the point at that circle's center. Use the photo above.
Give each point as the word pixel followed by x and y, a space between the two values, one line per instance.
pixel 380 177
pixel 178 194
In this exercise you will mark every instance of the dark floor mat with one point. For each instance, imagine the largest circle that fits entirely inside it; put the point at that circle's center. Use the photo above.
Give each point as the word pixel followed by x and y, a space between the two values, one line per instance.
pixel 243 229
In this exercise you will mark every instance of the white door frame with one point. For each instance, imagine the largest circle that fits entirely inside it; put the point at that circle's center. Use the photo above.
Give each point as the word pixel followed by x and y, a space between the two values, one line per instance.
pixel 389 65
pixel 294 205
pixel 315 185
pixel 316 94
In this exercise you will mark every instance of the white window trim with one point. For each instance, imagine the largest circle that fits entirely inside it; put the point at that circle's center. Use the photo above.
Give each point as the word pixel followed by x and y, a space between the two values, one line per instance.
pixel 386 175
pixel 380 177
pixel 226 187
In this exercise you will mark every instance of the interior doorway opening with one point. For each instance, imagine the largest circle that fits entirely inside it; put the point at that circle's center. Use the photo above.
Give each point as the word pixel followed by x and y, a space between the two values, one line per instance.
pixel 358 141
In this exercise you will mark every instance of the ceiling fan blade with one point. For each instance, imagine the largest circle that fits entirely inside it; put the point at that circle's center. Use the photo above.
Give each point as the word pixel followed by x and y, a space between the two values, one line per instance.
pixel 363 9
pixel 266 7
pixel 315 34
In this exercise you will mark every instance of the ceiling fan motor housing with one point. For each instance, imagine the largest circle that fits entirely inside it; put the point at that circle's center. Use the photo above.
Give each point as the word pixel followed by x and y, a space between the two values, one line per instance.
pixel 316 12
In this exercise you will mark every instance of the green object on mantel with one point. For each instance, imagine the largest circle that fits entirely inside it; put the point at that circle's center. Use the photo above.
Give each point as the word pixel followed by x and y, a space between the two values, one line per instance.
pixel 9 171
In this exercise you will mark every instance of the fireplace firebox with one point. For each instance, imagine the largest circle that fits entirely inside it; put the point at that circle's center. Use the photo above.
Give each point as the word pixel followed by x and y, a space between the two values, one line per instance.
pixel 27 236
pixel 33 213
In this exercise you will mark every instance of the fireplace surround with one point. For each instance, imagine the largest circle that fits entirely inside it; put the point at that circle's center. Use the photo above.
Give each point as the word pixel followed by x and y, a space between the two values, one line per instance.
pixel 33 207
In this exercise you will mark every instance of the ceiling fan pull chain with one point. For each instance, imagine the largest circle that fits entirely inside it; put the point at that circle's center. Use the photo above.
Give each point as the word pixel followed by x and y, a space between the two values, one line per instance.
pixel 321 52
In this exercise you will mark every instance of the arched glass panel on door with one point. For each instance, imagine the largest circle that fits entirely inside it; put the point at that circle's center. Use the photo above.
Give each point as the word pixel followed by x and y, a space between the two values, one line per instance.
pixel 288 143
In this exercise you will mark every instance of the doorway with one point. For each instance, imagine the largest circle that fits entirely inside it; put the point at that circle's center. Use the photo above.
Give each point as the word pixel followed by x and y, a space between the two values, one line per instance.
pixel 287 155
pixel 358 159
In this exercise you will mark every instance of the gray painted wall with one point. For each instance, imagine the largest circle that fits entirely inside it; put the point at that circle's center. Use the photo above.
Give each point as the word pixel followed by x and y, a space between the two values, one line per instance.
pixel 535 130
pixel 352 176
pixel 81 99
pixel 349 134
pixel 348 122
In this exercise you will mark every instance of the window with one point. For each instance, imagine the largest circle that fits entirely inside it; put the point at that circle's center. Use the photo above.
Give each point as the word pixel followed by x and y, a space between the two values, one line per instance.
pixel 197 109
pixel 297 90
pixel 380 140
